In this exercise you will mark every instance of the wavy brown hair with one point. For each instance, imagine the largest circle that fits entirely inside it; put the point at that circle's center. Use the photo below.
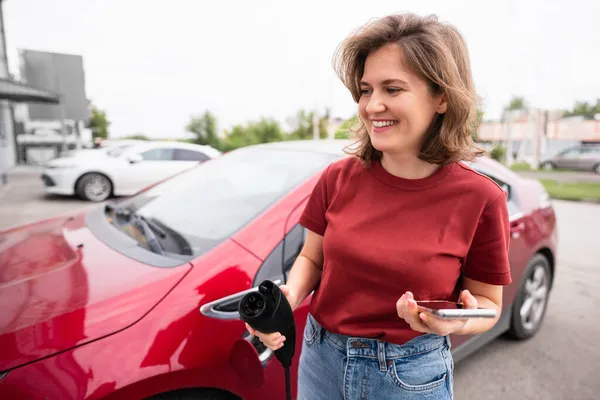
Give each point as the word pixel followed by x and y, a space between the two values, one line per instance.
pixel 438 53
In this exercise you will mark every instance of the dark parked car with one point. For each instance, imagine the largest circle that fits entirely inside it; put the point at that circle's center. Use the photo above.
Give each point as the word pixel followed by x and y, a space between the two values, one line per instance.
pixel 579 158
pixel 139 298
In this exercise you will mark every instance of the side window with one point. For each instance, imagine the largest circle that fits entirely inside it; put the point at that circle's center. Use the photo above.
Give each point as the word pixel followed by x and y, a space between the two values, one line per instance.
pixel 279 262
pixel 189 155
pixel 513 208
pixel 158 155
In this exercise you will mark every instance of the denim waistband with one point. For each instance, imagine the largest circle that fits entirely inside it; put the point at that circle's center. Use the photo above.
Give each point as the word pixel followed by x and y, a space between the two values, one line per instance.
pixel 376 348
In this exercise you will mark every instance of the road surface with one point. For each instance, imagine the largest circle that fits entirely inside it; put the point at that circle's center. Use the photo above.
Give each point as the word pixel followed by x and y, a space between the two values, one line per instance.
pixel 563 176
pixel 561 362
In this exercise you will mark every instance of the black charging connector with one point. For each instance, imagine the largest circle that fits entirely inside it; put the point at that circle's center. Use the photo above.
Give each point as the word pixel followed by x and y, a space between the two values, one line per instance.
pixel 267 310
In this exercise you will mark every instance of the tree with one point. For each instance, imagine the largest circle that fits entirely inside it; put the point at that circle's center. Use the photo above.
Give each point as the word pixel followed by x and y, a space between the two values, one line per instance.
pixel 98 123
pixel 263 131
pixel 584 109
pixel 478 121
pixel 204 129
pixel 304 126
pixel 345 129
pixel 517 103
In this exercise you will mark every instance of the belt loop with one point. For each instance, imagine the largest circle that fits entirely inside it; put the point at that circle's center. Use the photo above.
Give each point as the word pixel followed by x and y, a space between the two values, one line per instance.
pixel 321 334
pixel 381 356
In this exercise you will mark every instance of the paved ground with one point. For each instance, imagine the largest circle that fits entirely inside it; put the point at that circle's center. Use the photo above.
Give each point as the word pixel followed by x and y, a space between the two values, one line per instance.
pixel 561 362
pixel 24 201
pixel 563 176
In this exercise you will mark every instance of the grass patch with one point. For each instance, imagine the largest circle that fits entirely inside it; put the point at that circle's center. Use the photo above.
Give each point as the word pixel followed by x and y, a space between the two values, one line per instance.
pixel 572 190
pixel 521 167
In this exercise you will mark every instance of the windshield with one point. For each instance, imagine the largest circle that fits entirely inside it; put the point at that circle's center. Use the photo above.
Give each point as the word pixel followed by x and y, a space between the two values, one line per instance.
pixel 212 201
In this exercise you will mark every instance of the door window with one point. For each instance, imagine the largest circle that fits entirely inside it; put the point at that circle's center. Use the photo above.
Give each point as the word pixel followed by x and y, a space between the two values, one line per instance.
pixel 164 154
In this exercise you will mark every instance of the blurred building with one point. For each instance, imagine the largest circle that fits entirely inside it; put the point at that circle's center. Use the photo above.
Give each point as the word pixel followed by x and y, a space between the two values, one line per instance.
pixel 13 92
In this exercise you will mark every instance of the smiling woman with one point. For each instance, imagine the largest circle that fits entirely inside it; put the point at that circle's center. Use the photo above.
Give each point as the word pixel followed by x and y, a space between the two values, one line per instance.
pixel 404 219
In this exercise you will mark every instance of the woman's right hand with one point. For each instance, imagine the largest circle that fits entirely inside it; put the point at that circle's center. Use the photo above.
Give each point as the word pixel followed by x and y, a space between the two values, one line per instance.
pixel 274 340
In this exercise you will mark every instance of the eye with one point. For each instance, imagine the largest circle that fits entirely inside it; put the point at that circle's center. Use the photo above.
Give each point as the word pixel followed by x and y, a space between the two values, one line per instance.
pixel 394 90
pixel 365 91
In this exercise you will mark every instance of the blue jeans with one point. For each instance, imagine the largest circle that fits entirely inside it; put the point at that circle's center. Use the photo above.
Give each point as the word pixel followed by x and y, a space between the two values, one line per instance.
pixel 334 367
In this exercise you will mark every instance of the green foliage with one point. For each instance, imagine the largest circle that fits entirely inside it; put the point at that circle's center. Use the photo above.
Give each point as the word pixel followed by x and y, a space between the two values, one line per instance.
pixel 345 130
pixel 98 123
pixel 137 136
pixel 517 103
pixel 304 126
pixel 204 129
pixel 584 109
pixel 497 153
pixel 263 131
pixel 478 120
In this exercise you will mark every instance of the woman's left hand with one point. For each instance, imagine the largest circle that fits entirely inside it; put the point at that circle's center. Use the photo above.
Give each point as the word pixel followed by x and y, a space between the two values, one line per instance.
pixel 428 323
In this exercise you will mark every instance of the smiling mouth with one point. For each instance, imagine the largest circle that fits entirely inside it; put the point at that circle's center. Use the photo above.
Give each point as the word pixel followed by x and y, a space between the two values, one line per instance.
pixel 383 124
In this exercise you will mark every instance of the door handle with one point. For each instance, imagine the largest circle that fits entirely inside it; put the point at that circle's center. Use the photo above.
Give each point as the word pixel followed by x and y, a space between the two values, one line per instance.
pixel 225 308
pixel 516 229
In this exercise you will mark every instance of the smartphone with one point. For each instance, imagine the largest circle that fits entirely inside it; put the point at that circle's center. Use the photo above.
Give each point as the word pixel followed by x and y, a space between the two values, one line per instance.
pixel 451 310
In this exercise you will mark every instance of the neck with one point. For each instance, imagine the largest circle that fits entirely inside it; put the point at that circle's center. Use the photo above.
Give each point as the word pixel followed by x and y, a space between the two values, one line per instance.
pixel 408 167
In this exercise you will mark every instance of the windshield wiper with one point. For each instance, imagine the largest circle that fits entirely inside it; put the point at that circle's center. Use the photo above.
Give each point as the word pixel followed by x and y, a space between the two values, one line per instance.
pixel 147 227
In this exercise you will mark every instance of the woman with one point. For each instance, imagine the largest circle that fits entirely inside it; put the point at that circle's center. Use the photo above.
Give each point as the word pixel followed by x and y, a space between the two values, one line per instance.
pixel 399 220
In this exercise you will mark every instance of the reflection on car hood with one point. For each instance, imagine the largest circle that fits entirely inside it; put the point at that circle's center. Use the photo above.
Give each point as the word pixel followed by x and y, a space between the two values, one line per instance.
pixel 61 287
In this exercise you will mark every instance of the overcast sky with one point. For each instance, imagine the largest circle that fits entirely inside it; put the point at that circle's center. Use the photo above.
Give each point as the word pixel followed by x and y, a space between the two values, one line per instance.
pixel 151 65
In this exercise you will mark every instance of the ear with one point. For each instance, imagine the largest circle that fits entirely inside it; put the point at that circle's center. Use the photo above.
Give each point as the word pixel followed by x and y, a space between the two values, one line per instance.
pixel 442 104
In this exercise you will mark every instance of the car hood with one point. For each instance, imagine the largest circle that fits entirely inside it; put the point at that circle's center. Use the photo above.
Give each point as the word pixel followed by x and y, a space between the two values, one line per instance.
pixel 60 287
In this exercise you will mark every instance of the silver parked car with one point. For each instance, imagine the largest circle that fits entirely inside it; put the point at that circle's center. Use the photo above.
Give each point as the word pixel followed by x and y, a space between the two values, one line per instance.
pixel 579 158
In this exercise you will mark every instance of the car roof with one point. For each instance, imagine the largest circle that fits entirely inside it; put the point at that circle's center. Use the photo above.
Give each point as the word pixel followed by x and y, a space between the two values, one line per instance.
pixel 336 147
pixel 328 146
pixel 153 144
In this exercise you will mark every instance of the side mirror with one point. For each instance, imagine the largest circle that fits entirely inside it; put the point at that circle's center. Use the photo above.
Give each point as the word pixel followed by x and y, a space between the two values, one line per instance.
pixel 134 158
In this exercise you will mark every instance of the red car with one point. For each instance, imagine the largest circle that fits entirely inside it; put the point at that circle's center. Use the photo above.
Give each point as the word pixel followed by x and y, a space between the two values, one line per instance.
pixel 138 299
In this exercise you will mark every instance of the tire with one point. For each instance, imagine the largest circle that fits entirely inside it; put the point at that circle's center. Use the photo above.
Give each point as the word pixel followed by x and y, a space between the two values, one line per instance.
pixel 547 166
pixel 195 394
pixel 94 187
pixel 534 290
pixel 597 169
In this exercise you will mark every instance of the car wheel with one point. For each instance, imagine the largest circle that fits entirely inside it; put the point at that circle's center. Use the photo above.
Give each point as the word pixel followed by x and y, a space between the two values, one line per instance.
pixel 548 166
pixel 94 187
pixel 597 169
pixel 531 301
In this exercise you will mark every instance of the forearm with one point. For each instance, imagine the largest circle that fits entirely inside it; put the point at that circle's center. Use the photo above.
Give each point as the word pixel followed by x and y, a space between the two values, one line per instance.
pixel 479 325
pixel 303 278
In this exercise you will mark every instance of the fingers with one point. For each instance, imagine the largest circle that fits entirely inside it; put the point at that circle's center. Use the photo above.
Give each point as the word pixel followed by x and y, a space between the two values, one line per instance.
pixel 468 299
pixel 407 309
pixel 273 341
pixel 285 290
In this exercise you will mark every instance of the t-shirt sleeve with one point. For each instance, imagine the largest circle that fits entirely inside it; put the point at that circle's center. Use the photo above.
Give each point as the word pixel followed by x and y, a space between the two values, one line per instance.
pixel 313 217
pixel 487 259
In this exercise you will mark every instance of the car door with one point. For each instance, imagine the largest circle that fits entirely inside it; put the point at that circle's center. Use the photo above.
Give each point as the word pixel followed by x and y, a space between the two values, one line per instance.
pixel 275 267
pixel 589 159
pixel 569 159
pixel 152 166
pixel 518 255
pixel 186 158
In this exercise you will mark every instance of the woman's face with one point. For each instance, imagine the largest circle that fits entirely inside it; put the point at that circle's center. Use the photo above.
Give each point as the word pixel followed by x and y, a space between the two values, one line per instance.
pixel 396 104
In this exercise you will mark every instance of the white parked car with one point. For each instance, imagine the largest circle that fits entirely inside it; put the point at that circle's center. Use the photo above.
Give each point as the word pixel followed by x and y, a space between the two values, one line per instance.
pixel 122 171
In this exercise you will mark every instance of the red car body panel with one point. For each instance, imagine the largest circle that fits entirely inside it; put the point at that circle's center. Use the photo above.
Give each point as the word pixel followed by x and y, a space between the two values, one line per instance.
pixel 126 330
pixel 56 293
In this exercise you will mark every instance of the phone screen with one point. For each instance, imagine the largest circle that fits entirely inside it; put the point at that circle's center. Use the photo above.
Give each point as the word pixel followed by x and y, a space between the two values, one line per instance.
pixel 440 305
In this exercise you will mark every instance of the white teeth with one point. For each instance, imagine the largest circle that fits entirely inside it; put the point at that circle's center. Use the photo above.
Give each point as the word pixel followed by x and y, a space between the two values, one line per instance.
pixel 381 124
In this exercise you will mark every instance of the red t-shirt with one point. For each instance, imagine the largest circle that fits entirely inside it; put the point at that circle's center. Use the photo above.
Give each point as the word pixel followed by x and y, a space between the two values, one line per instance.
pixel 385 235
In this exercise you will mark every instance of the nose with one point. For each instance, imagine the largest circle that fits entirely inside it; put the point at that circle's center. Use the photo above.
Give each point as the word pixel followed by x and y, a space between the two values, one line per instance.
pixel 375 105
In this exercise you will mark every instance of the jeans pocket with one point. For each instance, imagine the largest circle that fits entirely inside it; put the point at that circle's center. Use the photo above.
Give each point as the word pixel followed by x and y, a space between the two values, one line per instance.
pixel 420 372
pixel 311 330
